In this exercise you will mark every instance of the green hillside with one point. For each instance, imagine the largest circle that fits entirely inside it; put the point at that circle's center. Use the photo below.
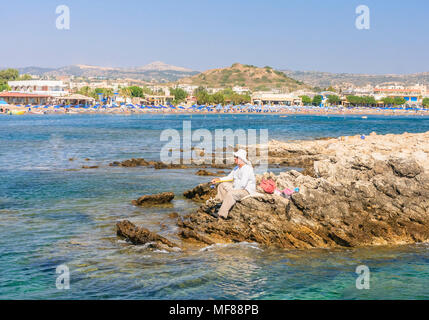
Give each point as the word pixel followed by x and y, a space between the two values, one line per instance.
pixel 254 78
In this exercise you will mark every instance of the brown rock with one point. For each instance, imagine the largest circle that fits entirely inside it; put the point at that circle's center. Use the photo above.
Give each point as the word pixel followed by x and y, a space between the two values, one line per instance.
pixel 138 236
pixel 205 173
pixel 160 198
pixel 173 215
pixel 202 192
pixel 90 167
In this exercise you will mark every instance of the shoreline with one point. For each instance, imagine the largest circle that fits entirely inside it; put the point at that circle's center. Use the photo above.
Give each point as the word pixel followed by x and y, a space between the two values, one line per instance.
pixel 16 110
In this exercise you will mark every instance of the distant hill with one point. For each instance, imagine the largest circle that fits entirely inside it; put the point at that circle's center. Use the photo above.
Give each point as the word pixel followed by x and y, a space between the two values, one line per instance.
pixel 34 70
pixel 156 72
pixel 326 79
pixel 254 78
pixel 161 66
pixel 237 75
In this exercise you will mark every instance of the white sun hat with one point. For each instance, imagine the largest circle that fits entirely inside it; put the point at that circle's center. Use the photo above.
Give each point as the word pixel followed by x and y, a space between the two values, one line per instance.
pixel 242 154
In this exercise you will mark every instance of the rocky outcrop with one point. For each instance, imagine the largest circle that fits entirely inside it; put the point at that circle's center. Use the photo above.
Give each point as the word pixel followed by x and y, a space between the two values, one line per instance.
pixel 152 199
pixel 141 236
pixel 362 191
pixel 358 195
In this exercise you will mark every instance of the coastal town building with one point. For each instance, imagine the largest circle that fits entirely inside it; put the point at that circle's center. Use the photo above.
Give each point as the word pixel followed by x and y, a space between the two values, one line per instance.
pixel 214 90
pixel 412 94
pixel 187 87
pixel 154 100
pixel 39 87
pixel 74 99
pixel 19 98
pixel 367 90
pixel 241 90
pixel 114 85
pixel 269 98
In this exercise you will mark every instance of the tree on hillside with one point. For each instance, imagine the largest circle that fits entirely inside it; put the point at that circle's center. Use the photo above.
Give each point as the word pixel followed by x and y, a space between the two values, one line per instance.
pixel 25 77
pixel 107 92
pixel 240 98
pixel 147 90
pixel 306 100
pixel 227 92
pixel 179 95
pixel 317 100
pixel 136 92
pixel 387 101
pixel 364 100
pixel 125 92
pixel 200 89
pixel 399 101
pixel 333 99
pixel 87 91
pixel 5 76
pixel 203 98
pixel 218 97
pixel 370 100
pixel 8 75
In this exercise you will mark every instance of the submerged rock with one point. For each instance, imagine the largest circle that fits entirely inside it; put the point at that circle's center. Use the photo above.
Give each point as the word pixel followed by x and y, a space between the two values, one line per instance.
pixel 141 236
pixel 173 215
pixel 152 199
pixel 205 173
pixel 131 163
pixel 90 167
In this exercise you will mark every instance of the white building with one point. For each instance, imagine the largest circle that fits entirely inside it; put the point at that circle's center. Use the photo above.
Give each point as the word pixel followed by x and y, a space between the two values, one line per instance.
pixel 187 87
pixel 264 98
pixel 240 90
pixel 41 87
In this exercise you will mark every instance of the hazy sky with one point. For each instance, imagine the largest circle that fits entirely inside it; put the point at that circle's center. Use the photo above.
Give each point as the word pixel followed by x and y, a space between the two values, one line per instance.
pixel 202 34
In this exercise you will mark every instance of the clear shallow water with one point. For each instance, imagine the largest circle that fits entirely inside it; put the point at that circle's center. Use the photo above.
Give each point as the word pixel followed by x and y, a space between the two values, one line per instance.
pixel 53 213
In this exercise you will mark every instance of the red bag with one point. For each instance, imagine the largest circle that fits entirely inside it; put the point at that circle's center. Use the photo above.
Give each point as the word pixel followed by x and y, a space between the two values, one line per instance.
pixel 268 185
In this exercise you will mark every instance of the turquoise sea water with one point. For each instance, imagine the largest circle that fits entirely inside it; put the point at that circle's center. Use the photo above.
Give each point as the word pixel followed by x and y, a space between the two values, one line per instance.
pixel 52 213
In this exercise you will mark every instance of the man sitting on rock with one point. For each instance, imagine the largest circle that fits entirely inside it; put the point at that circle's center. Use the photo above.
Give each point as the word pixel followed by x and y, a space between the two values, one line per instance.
pixel 243 184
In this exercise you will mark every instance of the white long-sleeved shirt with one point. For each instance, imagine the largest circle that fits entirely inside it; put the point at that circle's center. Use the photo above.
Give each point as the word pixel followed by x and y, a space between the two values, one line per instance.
pixel 243 178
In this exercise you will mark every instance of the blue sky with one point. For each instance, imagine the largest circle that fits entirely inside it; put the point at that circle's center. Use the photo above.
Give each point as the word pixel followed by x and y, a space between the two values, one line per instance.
pixel 202 34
